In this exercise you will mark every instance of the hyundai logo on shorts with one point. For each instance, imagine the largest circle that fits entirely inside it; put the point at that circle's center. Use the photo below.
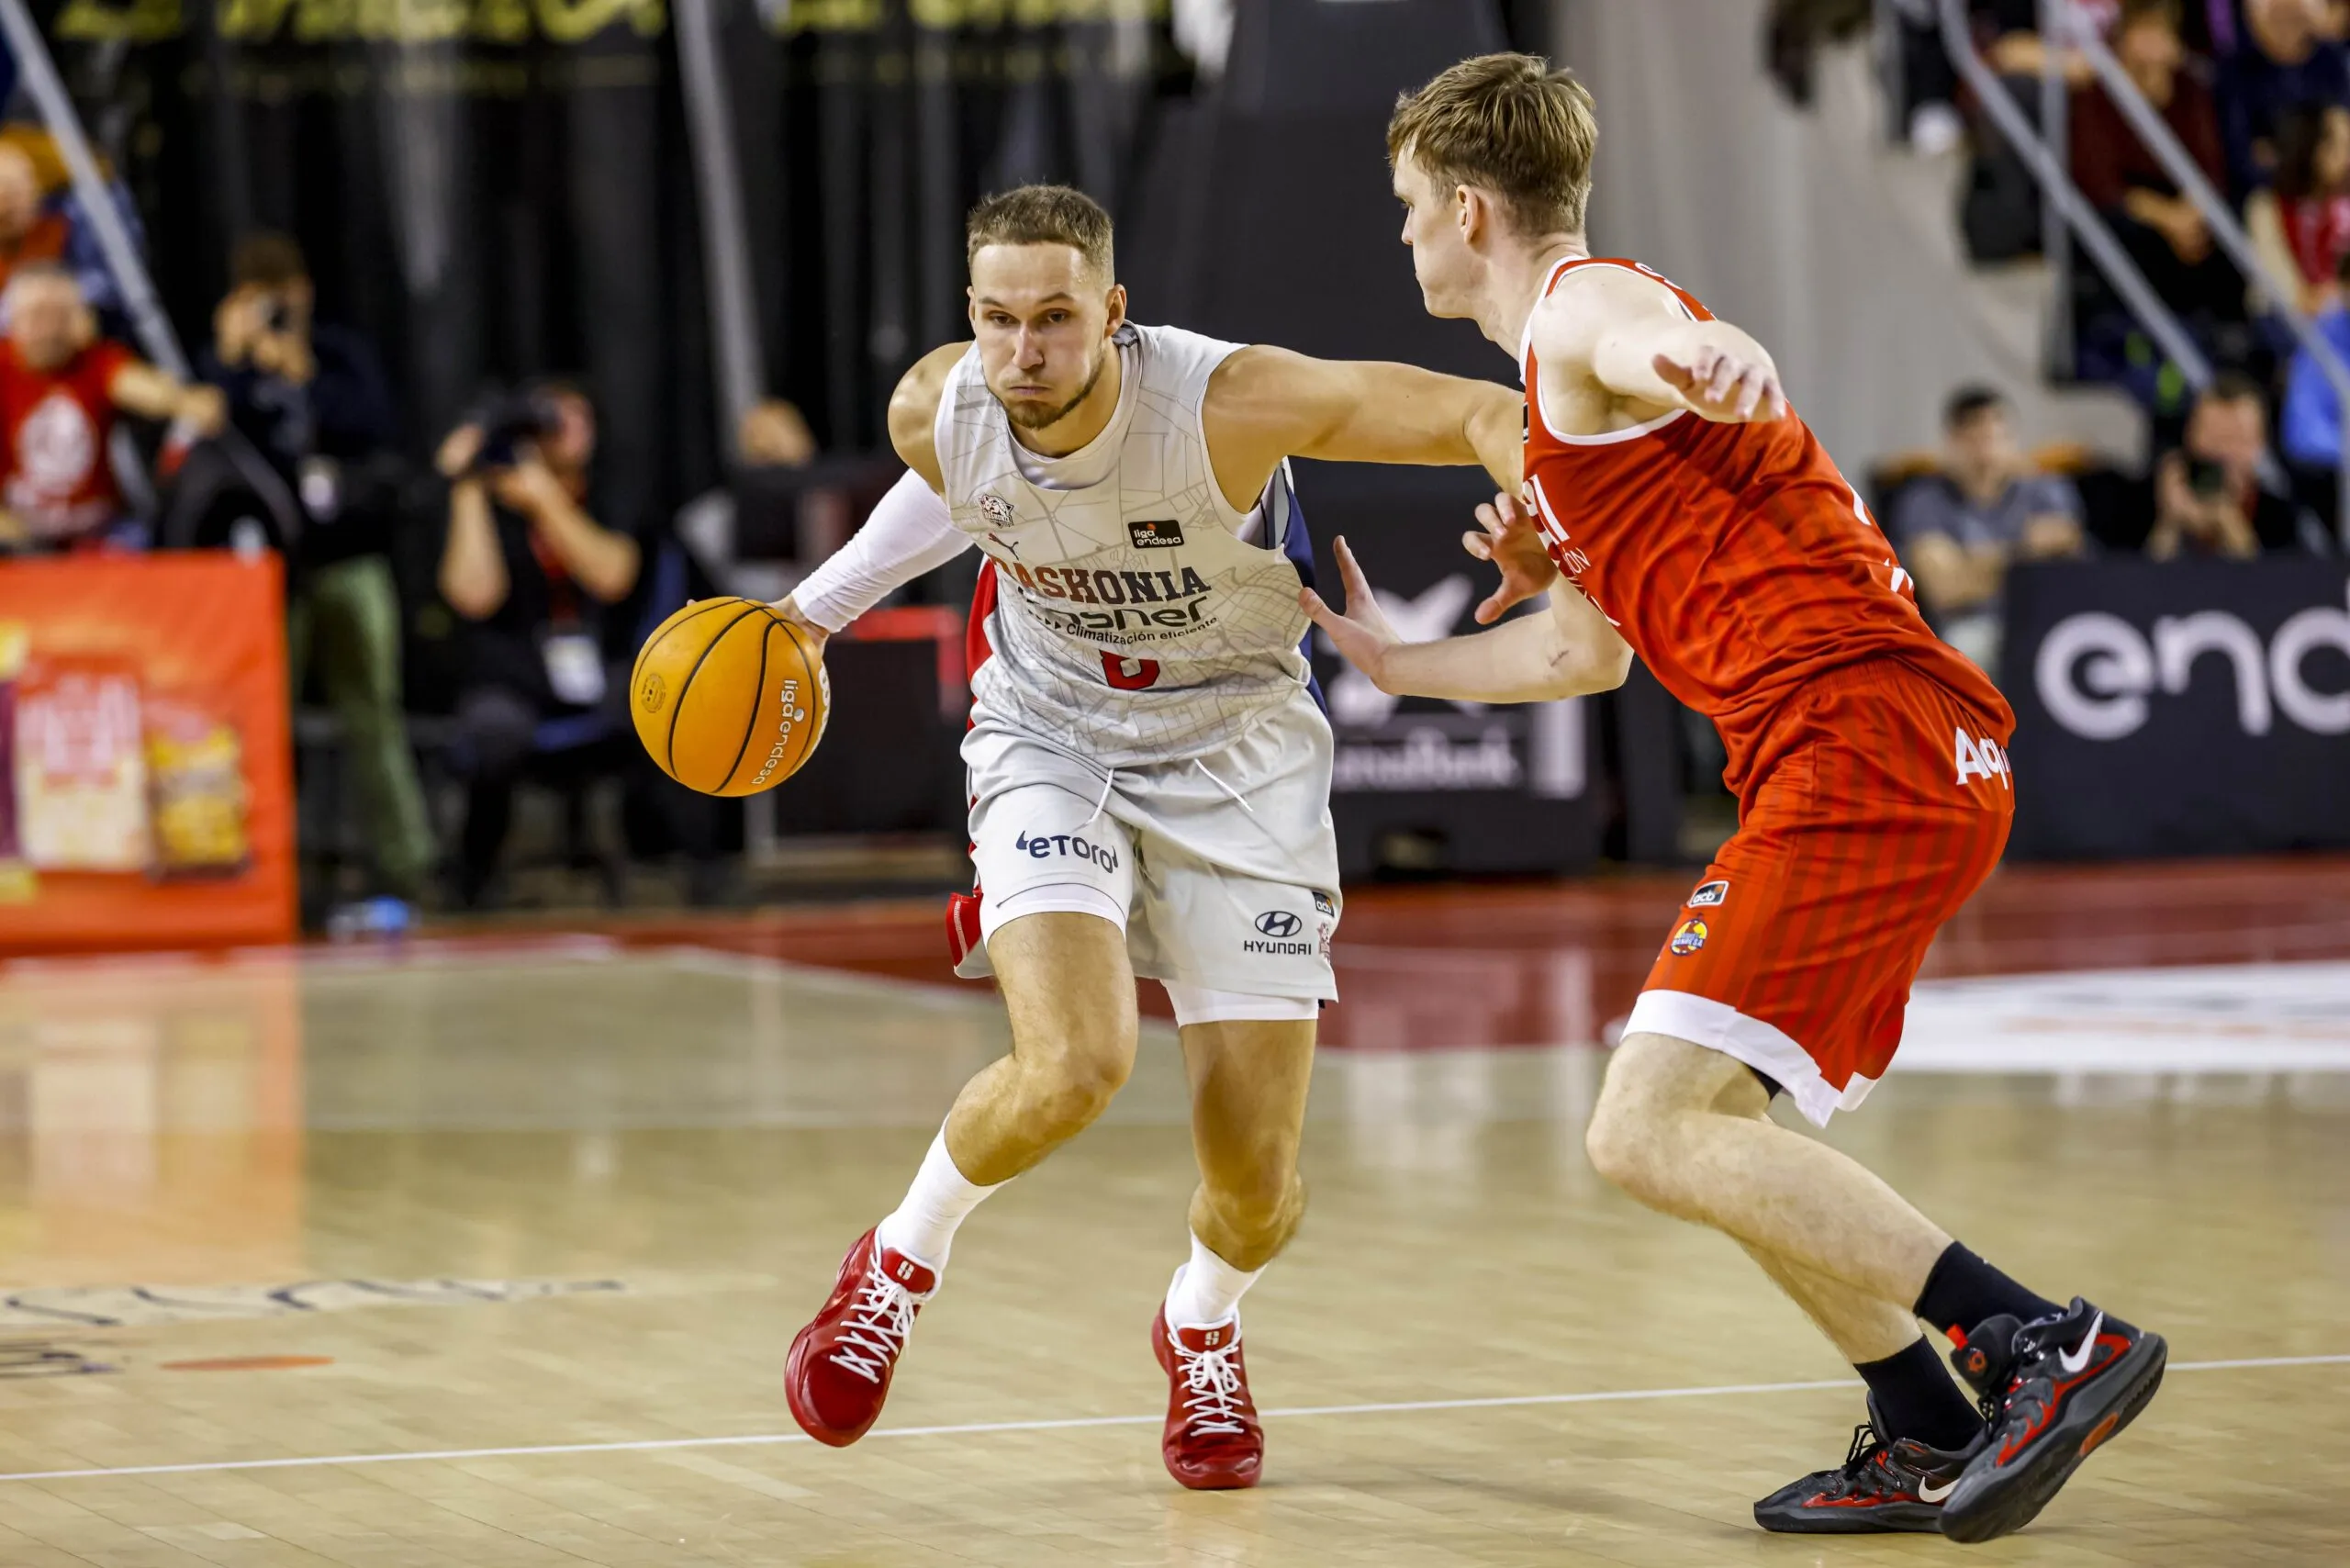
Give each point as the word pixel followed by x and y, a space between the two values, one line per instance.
pixel 1278 922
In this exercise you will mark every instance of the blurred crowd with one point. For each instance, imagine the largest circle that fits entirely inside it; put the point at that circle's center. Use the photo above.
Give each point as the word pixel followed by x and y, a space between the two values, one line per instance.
pixel 283 433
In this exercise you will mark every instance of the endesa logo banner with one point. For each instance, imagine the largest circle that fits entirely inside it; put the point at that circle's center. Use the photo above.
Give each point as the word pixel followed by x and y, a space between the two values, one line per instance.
pixel 2187 707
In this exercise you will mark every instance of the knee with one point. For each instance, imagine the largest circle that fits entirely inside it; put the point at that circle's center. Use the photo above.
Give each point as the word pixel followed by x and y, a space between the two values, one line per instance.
pixel 1067 1097
pixel 1261 1199
pixel 1626 1143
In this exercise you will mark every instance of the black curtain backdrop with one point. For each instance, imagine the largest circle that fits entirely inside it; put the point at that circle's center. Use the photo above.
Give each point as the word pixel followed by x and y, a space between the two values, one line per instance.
pixel 498 189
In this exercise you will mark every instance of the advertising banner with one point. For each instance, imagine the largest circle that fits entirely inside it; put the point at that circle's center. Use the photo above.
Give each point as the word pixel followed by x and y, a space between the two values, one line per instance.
pixel 145 768
pixel 2180 708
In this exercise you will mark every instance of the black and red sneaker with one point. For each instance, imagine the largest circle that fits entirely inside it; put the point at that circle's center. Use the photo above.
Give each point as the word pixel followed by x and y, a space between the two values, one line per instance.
pixel 1882 1487
pixel 2054 1389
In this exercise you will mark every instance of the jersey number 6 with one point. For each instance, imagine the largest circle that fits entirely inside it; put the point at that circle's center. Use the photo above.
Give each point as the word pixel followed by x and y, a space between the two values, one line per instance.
pixel 1129 675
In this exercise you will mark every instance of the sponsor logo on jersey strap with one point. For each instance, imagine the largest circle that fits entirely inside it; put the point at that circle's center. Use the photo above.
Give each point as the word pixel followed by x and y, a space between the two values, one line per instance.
pixel 1708 895
pixel 1982 758
pixel 1162 533
pixel 1691 937
pixel 1044 846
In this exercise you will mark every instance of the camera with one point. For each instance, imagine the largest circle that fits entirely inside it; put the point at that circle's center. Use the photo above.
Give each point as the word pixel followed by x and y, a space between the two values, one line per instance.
pixel 510 420
pixel 276 315
pixel 2206 478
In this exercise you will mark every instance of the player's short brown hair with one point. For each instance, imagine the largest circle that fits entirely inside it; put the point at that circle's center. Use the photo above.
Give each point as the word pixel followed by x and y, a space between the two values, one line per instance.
pixel 1512 125
pixel 1044 215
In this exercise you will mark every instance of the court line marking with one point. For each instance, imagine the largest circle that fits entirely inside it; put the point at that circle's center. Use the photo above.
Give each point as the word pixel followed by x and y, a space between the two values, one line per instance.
pixel 1066 1424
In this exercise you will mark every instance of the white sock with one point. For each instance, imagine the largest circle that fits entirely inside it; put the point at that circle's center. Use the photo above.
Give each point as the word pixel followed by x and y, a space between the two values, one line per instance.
pixel 923 1226
pixel 1206 1290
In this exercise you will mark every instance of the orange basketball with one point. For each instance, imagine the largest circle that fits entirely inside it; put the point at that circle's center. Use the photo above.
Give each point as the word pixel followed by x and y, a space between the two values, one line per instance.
pixel 729 697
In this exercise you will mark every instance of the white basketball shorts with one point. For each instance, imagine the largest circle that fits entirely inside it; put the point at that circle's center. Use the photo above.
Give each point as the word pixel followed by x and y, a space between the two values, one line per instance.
pixel 1222 869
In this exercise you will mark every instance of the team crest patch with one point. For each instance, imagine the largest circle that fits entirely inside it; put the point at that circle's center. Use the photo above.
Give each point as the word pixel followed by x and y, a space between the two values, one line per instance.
pixel 1708 895
pixel 1689 937
pixel 1162 534
pixel 996 510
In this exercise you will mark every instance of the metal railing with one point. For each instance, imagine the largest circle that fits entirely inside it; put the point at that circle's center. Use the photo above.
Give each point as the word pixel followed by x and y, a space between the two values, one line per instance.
pixel 139 301
pixel 2070 27
pixel 2219 216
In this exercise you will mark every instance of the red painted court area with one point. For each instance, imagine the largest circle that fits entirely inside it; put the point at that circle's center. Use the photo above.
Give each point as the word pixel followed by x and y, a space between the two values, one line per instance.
pixel 1432 967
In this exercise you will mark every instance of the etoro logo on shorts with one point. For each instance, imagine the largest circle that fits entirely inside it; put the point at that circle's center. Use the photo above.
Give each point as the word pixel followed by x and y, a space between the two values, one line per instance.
pixel 1280 931
pixel 1044 846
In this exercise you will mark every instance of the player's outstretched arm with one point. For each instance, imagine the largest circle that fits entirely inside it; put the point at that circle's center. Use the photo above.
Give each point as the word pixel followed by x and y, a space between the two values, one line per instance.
pixel 1642 345
pixel 1570 652
pixel 1266 403
pixel 911 531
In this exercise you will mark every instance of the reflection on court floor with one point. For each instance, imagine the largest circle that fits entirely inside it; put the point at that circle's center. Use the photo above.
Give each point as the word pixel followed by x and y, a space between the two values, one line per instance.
pixel 646 1151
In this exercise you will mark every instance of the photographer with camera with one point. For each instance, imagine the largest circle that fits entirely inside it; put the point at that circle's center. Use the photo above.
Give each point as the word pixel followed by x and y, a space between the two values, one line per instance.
pixel 531 570
pixel 313 400
pixel 2208 497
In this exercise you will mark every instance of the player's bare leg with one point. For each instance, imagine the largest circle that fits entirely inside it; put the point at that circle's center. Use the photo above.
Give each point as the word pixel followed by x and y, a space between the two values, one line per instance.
pixel 1660 1132
pixel 1249 1081
pixel 1069 991
pixel 1675 1130
pixel 1249 1086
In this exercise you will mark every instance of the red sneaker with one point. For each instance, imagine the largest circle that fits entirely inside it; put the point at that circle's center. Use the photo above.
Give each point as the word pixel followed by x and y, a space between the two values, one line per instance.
pixel 841 1363
pixel 1213 1442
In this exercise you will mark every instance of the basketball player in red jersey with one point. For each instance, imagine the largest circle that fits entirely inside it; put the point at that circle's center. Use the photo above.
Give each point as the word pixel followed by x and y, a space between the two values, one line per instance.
pixel 1698 523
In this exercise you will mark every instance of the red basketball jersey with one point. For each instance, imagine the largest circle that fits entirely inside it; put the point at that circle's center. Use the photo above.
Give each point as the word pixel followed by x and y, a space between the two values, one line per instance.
pixel 1735 559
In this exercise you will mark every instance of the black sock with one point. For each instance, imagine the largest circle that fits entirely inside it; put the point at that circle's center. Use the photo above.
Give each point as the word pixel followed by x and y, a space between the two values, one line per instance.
pixel 1961 1291
pixel 1916 1398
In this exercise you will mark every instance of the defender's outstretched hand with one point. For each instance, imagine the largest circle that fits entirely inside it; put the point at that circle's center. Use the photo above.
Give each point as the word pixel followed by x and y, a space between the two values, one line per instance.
pixel 1512 541
pixel 1726 384
pixel 1362 634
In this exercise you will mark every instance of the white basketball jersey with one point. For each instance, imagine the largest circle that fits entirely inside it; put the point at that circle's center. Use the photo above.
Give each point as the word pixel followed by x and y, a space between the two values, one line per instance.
pixel 1131 621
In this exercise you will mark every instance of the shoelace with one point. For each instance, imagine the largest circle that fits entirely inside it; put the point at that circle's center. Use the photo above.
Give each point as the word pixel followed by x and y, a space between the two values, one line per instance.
pixel 1212 1391
pixel 878 1325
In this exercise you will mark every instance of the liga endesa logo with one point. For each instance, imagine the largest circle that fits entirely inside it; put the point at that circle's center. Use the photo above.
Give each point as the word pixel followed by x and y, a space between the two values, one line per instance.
pixel 2097 674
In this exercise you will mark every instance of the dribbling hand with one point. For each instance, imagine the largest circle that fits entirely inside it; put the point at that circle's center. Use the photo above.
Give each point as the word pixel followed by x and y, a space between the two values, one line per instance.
pixel 1512 541
pixel 788 609
pixel 1362 633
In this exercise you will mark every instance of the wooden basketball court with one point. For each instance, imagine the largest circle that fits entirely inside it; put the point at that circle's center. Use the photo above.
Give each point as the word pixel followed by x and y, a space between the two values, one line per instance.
pixel 488 1251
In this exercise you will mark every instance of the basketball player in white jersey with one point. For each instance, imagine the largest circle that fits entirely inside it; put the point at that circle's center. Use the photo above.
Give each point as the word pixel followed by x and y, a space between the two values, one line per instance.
pixel 1150 770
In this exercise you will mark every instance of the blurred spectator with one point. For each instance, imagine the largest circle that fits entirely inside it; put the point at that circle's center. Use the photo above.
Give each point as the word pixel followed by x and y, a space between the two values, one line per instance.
pixel 2301 225
pixel 530 569
pixel 2161 229
pixel 1959 530
pixel 312 398
pixel 29 233
pixel 60 389
pixel 2208 497
pixel 2283 60
pixel 2311 426
pixel 42 216
pixel 776 434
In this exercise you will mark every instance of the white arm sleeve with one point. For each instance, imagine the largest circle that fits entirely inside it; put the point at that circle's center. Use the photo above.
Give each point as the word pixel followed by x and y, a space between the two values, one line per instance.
pixel 910 532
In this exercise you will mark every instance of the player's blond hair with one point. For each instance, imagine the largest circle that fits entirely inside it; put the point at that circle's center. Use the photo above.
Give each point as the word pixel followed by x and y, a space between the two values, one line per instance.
pixel 1044 214
pixel 1508 124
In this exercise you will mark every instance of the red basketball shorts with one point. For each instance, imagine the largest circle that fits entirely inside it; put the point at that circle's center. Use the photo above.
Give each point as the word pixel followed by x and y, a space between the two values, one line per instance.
pixel 1876 804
